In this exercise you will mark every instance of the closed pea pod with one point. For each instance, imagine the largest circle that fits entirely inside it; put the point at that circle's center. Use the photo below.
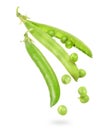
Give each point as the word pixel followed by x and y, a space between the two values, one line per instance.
pixel 46 70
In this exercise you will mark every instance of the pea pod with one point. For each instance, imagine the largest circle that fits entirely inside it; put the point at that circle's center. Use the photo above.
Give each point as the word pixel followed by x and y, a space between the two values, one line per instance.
pixel 65 36
pixel 46 70
pixel 51 45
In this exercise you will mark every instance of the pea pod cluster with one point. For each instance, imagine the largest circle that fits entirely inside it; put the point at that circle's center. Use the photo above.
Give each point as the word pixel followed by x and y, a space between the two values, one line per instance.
pixel 44 33
pixel 52 46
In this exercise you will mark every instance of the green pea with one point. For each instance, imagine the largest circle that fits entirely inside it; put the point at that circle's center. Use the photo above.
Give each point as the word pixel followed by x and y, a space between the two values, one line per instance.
pixel 62 110
pixel 82 73
pixel 66 79
pixel 64 39
pixel 82 91
pixel 69 44
pixel 84 99
pixel 74 57
pixel 51 33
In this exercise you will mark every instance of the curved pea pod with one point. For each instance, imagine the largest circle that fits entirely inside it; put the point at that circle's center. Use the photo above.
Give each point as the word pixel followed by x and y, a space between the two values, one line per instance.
pixel 46 70
pixel 65 36
pixel 52 46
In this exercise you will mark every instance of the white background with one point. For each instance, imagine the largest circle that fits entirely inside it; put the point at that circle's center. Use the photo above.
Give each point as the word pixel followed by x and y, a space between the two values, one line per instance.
pixel 24 96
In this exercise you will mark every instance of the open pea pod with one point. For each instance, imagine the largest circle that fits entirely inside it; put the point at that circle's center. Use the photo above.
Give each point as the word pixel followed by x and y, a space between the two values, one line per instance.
pixel 62 35
pixel 51 45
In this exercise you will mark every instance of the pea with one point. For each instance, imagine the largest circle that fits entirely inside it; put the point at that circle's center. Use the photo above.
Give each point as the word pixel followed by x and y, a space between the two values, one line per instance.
pixel 69 44
pixel 74 57
pixel 82 73
pixel 82 91
pixel 51 33
pixel 84 99
pixel 64 39
pixel 62 110
pixel 66 79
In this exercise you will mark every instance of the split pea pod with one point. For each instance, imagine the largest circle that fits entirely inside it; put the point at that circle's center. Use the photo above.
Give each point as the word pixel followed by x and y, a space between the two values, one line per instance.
pixel 65 37
pixel 45 68
pixel 51 45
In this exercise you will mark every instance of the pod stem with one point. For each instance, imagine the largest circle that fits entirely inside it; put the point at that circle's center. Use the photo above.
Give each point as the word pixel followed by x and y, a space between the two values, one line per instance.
pixel 26 38
pixel 23 18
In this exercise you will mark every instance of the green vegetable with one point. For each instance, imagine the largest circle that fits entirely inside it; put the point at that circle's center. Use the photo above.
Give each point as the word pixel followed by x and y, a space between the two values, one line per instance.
pixel 51 33
pixel 74 57
pixel 51 45
pixel 69 44
pixel 82 73
pixel 64 39
pixel 82 91
pixel 62 110
pixel 66 79
pixel 62 34
pixel 46 70
pixel 84 99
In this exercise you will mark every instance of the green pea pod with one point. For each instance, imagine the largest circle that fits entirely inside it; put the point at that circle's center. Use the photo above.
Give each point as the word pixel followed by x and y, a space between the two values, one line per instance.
pixel 62 34
pixel 46 70
pixel 51 45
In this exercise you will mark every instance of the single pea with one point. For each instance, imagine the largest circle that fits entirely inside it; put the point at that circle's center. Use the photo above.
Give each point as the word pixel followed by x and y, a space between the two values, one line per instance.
pixel 82 73
pixel 74 57
pixel 66 79
pixel 82 91
pixel 64 39
pixel 69 44
pixel 51 33
pixel 84 99
pixel 62 110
